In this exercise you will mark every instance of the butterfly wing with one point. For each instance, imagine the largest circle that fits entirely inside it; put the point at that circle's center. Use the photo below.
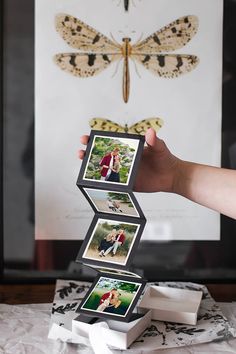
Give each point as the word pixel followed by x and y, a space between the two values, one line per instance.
pixel 83 37
pixel 83 64
pixel 168 66
pixel 142 126
pixel 105 125
pixel 171 37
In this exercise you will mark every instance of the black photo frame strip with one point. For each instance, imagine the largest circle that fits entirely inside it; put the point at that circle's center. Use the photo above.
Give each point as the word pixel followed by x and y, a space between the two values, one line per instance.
pixel 90 245
pixel 88 192
pixel 95 297
pixel 116 186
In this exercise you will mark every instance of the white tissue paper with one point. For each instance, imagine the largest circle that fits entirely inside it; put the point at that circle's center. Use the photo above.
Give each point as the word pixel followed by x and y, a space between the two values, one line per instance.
pixel 211 324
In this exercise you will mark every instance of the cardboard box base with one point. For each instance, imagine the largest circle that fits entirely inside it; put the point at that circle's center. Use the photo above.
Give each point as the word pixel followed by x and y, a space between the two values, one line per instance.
pixel 119 335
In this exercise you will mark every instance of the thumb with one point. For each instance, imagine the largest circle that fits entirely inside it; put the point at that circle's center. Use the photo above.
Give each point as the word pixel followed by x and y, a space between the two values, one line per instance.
pixel 153 141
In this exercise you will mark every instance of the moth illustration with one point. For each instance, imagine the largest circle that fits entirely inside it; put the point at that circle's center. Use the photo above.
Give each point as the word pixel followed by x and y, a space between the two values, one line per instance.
pixel 139 128
pixel 97 52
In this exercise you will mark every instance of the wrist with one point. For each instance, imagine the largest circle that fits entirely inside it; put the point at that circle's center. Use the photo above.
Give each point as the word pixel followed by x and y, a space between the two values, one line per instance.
pixel 179 177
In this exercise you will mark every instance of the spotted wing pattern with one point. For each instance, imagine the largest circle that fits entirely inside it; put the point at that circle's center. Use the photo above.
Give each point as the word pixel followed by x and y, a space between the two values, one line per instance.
pixel 171 37
pixel 96 51
pixel 83 37
pixel 84 65
pixel 106 125
pixel 139 128
pixel 143 125
pixel 168 66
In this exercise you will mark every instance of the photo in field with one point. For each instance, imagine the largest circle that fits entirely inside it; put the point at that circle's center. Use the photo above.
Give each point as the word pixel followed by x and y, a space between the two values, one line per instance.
pixel 111 241
pixel 112 202
pixel 112 297
pixel 111 159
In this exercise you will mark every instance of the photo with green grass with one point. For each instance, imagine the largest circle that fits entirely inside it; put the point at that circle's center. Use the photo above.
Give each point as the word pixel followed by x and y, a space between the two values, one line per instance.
pixel 112 296
pixel 111 241
pixel 111 159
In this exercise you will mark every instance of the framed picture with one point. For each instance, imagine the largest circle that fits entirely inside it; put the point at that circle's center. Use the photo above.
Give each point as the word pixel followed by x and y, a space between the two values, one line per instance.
pixel 112 296
pixel 113 202
pixel 111 160
pixel 40 260
pixel 111 242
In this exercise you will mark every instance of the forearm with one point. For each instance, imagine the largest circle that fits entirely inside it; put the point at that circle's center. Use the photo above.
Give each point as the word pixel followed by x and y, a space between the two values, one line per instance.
pixel 212 187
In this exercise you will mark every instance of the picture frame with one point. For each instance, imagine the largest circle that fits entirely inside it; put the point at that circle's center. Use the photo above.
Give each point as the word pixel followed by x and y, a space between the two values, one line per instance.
pixel 99 201
pixel 91 251
pixel 99 302
pixel 205 261
pixel 94 169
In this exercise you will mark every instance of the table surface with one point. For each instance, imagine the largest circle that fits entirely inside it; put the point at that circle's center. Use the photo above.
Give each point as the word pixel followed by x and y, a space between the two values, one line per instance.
pixel 25 328
pixel 44 293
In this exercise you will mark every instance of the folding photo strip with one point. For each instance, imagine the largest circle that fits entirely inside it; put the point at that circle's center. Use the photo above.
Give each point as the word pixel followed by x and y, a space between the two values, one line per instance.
pixel 106 179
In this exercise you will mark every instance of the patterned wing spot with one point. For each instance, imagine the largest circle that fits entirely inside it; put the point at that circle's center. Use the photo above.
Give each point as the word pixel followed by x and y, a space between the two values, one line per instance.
pixel 105 58
pixel 156 39
pixel 72 60
pixel 91 59
pixel 96 39
pixel 161 60
pixel 146 59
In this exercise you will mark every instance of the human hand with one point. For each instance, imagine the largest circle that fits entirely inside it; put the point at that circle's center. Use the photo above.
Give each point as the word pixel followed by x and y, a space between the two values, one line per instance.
pixel 158 168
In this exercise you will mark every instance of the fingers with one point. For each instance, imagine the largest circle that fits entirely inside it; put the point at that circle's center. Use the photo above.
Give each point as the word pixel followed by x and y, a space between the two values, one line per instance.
pixel 84 139
pixel 81 154
pixel 154 142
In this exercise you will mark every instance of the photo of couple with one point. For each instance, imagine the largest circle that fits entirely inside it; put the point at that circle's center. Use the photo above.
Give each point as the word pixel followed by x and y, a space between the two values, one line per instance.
pixel 112 202
pixel 111 159
pixel 111 241
pixel 112 296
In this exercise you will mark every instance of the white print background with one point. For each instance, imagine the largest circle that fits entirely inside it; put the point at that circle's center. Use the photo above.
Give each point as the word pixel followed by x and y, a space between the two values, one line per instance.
pixel 190 107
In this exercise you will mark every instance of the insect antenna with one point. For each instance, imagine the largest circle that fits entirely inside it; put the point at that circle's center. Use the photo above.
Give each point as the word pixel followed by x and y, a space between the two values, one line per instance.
pixel 114 40
pixel 139 40
pixel 119 2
